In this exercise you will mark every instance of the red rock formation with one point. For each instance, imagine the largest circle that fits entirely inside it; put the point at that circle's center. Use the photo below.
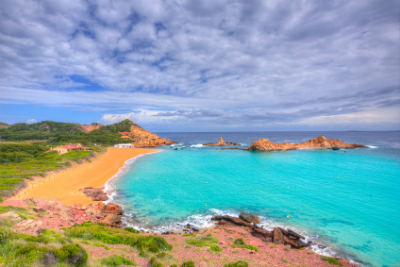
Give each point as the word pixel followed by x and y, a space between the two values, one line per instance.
pixel 220 143
pixel 144 138
pixel 319 142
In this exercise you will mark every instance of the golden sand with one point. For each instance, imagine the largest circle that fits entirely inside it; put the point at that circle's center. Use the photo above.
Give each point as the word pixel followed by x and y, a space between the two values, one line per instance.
pixel 65 185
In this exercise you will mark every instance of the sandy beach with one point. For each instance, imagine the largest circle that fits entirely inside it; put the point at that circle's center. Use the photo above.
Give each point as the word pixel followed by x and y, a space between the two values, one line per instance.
pixel 65 184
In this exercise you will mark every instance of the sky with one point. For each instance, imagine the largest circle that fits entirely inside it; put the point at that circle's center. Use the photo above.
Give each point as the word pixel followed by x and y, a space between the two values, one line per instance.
pixel 210 65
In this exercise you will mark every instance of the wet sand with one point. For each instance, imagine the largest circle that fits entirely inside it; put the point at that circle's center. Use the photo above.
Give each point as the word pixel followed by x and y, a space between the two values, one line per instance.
pixel 65 184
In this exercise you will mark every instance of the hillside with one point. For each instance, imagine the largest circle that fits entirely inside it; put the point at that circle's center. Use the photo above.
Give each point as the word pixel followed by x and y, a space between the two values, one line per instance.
pixel 4 125
pixel 58 133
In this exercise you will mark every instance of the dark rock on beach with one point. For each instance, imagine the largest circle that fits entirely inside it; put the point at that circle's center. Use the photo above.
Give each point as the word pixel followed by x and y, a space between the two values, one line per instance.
pixel 250 218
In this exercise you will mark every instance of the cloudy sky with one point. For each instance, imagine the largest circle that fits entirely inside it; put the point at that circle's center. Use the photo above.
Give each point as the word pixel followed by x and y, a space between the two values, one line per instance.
pixel 205 65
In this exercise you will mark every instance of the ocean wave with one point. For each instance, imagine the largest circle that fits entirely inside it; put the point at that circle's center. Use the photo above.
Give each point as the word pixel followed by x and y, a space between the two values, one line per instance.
pixel 197 145
pixel 370 146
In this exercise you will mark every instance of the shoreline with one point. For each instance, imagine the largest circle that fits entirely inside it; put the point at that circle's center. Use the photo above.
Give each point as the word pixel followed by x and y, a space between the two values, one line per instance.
pixel 65 184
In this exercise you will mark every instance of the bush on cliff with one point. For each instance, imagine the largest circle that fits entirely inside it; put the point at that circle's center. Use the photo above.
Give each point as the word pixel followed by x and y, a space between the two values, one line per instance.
pixel 115 260
pixel 241 244
pixel 100 232
pixel 237 264
pixel 202 241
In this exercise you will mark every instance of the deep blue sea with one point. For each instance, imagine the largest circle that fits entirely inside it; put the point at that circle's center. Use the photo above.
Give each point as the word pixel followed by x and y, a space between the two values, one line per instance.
pixel 346 200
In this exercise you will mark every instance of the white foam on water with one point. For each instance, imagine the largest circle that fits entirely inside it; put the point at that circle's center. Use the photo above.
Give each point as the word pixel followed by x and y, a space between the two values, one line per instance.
pixel 372 146
pixel 109 189
pixel 197 145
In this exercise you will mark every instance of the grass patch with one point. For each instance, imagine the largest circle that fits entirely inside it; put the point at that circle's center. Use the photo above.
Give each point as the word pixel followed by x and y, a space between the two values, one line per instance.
pixel 215 248
pixel 22 212
pixel 154 263
pixel 115 260
pixel 188 264
pixel 237 264
pixel 132 230
pixel 19 254
pixel 100 232
pixel 331 260
pixel 97 244
pixel 241 244
pixel 202 241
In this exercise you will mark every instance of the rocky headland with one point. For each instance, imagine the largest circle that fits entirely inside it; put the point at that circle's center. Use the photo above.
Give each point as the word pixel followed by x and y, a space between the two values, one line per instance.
pixel 320 142
pixel 221 142
pixel 143 138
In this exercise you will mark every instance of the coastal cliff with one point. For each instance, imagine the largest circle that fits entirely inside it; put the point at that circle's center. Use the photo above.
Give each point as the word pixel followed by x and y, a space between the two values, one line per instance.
pixel 144 138
pixel 320 142
pixel 221 142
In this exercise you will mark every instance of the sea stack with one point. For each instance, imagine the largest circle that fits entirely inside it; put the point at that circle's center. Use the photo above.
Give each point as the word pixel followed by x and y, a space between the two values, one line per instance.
pixel 221 143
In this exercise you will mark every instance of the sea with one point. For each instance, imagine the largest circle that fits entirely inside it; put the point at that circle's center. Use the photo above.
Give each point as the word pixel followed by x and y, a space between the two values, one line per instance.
pixel 346 201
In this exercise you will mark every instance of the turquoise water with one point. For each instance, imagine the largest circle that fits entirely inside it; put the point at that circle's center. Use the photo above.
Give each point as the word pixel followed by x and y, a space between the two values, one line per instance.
pixel 347 200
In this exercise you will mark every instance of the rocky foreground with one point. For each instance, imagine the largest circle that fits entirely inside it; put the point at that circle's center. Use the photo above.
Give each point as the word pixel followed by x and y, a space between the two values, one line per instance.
pixel 232 240
pixel 320 142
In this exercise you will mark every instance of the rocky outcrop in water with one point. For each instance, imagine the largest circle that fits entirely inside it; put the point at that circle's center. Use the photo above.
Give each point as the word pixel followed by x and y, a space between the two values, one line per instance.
pixel 320 142
pixel 221 143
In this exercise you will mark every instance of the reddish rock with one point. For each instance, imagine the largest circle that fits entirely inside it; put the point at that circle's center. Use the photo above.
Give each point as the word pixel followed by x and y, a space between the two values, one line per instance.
pixel 234 220
pixel 30 227
pixel 250 218
pixel 319 142
pixel 221 143
pixel 112 220
pixel 292 242
pixel 97 194
pixel 277 236
pixel 294 234
pixel 113 208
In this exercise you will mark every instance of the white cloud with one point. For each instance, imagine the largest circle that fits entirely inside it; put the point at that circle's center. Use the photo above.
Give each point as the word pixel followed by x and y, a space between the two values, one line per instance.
pixel 245 58
pixel 30 121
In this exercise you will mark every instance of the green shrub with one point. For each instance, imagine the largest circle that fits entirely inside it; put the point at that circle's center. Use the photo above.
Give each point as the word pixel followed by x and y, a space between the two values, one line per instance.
pixel 331 260
pixel 188 264
pixel 100 232
pixel 241 244
pixel 153 262
pixel 161 255
pixel 116 260
pixel 237 264
pixel 202 241
pixel 215 248
pixel 132 230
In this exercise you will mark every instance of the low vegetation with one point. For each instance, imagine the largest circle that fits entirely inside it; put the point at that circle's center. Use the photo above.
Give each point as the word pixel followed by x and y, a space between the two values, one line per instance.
pixel 237 264
pixel 102 233
pixel 202 241
pixel 23 161
pixel 331 260
pixel 241 244
pixel 115 260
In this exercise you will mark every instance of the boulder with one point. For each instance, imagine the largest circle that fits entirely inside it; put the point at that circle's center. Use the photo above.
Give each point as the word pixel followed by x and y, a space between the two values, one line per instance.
pixel 292 242
pixel 30 227
pixel 277 236
pixel 113 208
pixel 250 218
pixel 97 194
pixel 234 220
pixel 112 220
pixel 294 234
pixel 221 143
